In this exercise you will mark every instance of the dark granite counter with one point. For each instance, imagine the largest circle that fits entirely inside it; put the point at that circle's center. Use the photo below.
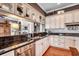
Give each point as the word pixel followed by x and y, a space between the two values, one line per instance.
pixel 66 34
pixel 16 41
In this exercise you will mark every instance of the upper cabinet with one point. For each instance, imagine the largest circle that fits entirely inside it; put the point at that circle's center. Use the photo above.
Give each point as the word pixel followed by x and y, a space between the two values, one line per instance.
pixel 76 16
pixel 59 21
pixel 69 17
pixel 19 9
pixel 7 7
pixel 72 16
pixel 62 21
pixel 23 10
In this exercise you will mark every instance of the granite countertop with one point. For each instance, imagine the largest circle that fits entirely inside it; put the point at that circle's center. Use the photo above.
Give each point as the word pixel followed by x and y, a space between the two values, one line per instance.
pixel 34 39
pixel 9 35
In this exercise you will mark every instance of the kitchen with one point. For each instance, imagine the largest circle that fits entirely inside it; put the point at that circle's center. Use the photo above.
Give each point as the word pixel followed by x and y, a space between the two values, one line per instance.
pixel 30 29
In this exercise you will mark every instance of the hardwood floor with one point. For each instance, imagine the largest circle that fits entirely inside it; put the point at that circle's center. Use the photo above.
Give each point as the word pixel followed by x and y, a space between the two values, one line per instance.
pixel 54 51
pixel 74 51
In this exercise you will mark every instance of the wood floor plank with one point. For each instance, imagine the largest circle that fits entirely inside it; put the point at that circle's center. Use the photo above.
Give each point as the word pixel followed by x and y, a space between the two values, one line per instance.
pixel 74 51
pixel 54 51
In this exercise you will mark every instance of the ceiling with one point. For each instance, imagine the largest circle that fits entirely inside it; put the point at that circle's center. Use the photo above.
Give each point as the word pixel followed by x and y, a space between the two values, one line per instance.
pixel 50 7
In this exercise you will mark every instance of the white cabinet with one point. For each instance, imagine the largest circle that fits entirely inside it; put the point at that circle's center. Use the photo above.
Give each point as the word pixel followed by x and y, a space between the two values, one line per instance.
pixel 47 24
pixel 53 22
pixel 7 7
pixel 53 40
pixel 64 41
pixel 77 43
pixel 57 21
pixel 38 48
pixel 61 41
pixel 19 9
pixel 69 42
pixel 57 41
pixel 76 16
pixel 41 46
pixel 62 21
pixel 69 17
pixel 11 53
pixel 45 44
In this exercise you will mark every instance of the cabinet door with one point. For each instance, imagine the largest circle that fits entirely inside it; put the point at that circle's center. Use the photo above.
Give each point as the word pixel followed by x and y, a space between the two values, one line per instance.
pixel 38 48
pixel 51 38
pixel 76 16
pixel 69 42
pixel 77 42
pixel 68 18
pixel 61 19
pixel 45 44
pixel 57 20
pixel 55 41
pixel 61 43
pixel 52 22
pixel 11 53
pixel 48 22
pixel 2 29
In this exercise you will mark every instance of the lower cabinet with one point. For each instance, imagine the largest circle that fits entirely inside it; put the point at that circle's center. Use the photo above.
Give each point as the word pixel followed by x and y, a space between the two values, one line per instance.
pixel 51 40
pixel 64 41
pixel 70 42
pixel 28 50
pixel 11 53
pixel 45 44
pixel 77 43
pixel 57 41
pixel 41 46
pixel 37 48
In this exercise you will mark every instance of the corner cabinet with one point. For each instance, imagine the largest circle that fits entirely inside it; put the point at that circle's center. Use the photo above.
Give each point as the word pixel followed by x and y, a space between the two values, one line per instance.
pixel 41 46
